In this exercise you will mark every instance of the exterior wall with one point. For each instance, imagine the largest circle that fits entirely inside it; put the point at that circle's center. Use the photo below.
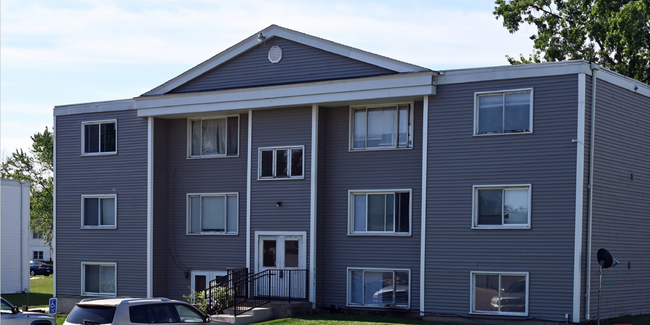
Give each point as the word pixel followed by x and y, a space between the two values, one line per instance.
pixel 161 198
pixel 321 208
pixel 278 128
pixel 378 169
pixel 621 201
pixel 14 224
pixel 300 63
pixel 124 174
pixel 458 160
pixel 185 253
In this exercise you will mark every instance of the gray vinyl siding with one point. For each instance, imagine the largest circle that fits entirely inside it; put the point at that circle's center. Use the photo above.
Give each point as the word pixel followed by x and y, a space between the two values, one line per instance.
pixel 279 128
pixel 378 169
pixel 300 63
pixel 160 198
pixel 185 253
pixel 457 161
pixel 621 200
pixel 124 174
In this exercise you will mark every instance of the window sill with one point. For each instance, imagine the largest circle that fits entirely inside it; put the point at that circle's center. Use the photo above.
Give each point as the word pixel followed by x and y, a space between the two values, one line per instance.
pixel 500 134
pixel 502 227
pixel 212 234
pixel 484 313
pixel 212 157
pixel 379 307
pixel 92 294
pixel 378 149
pixel 280 178
pixel 98 154
pixel 377 234
pixel 99 227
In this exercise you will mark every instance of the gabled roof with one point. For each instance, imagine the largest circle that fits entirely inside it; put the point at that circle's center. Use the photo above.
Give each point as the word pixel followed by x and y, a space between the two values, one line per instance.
pixel 277 31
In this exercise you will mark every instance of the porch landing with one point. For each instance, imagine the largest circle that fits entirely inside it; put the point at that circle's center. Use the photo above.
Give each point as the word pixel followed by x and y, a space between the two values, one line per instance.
pixel 272 310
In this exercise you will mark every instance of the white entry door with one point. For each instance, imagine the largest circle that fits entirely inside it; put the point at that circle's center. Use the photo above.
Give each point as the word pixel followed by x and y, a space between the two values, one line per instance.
pixel 283 256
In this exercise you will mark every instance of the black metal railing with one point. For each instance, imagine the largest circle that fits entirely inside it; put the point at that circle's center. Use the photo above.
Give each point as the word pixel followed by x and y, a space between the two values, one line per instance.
pixel 243 291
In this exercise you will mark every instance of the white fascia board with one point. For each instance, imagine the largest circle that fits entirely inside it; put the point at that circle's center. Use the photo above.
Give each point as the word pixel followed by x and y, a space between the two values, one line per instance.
pixel 579 199
pixel 513 72
pixel 403 85
pixel 95 107
pixel 273 31
pixel 623 81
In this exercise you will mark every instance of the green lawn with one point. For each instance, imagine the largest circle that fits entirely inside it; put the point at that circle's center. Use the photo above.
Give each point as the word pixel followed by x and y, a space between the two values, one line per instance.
pixel 341 319
pixel 41 292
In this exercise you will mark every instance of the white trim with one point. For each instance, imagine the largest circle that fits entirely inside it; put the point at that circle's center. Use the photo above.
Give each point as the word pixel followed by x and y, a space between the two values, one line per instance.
pixel 277 31
pixel 249 176
pixel 503 92
pixel 150 121
pixel 334 91
pixel 348 288
pixel 423 210
pixel 378 233
pixel 274 149
pixel 259 234
pixel 476 188
pixel 95 107
pixel 472 288
pixel 411 113
pixel 54 208
pixel 150 207
pixel 83 280
pixel 580 172
pixel 225 232
pixel 313 207
pixel 97 196
pixel 225 117
pixel 83 138
pixel 513 72
pixel 622 81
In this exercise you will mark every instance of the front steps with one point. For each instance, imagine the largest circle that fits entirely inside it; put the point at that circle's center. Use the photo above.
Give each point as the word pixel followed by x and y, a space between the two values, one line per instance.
pixel 272 310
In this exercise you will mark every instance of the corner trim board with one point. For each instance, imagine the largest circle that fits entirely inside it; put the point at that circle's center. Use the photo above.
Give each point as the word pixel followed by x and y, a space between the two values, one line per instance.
pixel 423 212
pixel 249 175
pixel 580 167
pixel 150 153
pixel 313 205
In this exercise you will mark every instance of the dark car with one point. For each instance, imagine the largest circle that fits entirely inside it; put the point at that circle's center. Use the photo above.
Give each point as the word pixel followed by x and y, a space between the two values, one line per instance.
pixel 39 268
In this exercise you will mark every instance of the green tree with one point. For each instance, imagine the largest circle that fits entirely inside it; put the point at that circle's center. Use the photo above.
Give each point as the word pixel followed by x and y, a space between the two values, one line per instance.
pixel 613 34
pixel 37 168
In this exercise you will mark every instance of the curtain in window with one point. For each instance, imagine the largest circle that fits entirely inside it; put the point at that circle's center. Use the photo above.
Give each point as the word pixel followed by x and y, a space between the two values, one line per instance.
pixel 108 211
pixel 402 134
pixel 213 213
pixel 296 162
pixel 196 138
pixel 213 137
pixel 195 214
pixel 490 112
pixel 381 127
pixel 359 129
pixel 359 212
pixel 516 206
pixel 107 279
pixel 517 112
pixel 490 204
pixel 232 214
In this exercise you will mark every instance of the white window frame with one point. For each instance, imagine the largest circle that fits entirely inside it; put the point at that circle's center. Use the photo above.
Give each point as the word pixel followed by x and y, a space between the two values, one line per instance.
pixel 348 290
pixel 209 276
pixel 351 231
pixel 188 211
pixel 37 255
pixel 475 206
pixel 366 148
pixel 503 92
pixel 83 138
pixel 189 137
pixel 274 178
pixel 472 289
pixel 97 196
pixel 83 280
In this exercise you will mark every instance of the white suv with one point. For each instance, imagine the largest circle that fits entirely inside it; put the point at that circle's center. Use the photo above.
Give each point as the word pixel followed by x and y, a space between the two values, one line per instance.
pixel 134 311
pixel 12 316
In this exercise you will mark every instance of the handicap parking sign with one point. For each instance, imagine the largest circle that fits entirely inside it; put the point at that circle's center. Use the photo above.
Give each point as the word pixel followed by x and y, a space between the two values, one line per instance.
pixel 52 306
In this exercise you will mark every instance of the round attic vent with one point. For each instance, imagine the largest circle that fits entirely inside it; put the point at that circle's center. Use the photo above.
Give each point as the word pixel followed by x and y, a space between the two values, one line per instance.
pixel 275 54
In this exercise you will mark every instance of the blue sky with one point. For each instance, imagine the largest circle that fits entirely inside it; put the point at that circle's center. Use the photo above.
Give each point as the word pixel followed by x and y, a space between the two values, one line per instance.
pixel 65 52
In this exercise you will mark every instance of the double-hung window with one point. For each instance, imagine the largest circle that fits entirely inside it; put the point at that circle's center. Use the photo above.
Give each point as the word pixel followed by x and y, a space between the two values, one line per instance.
pixel 380 212
pixel 379 287
pixel 99 211
pixel 502 206
pixel 381 127
pixel 281 163
pixel 212 213
pixel 213 137
pixel 99 137
pixel 502 293
pixel 503 112
pixel 98 279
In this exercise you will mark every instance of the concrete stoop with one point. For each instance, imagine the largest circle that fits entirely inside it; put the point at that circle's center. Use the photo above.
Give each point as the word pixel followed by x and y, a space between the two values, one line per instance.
pixel 272 310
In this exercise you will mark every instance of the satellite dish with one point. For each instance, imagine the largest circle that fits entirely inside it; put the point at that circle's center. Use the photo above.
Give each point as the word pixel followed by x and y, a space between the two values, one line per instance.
pixel 605 259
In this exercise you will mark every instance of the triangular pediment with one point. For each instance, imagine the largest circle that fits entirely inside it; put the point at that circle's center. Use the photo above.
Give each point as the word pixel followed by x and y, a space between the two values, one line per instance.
pixel 283 57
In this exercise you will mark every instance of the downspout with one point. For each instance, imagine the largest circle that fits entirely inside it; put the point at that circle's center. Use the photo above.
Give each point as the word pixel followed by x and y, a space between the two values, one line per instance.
pixel 594 70
pixel 248 190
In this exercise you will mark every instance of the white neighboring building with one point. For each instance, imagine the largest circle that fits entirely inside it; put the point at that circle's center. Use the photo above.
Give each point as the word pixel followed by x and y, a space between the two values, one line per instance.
pixel 14 236
pixel 38 248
